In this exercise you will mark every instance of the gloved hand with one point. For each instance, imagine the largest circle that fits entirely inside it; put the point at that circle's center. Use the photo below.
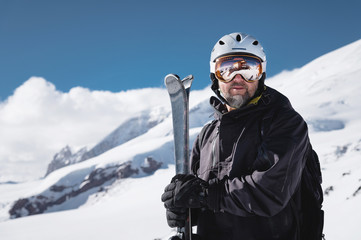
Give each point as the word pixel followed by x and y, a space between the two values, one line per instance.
pixel 194 237
pixel 176 217
pixel 185 191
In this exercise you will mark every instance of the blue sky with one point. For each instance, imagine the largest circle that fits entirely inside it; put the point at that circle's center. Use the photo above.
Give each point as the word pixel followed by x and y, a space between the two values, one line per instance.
pixel 120 45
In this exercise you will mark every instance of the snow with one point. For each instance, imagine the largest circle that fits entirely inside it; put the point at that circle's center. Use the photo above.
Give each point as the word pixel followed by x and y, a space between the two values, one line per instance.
pixel 131 210
pixel 325 92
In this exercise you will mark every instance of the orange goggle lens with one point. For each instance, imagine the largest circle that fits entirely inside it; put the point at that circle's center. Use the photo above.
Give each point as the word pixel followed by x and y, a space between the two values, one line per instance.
pixel 249 67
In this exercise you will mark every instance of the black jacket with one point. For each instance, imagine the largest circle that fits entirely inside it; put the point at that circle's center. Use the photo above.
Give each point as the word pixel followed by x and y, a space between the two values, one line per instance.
pixel 255 156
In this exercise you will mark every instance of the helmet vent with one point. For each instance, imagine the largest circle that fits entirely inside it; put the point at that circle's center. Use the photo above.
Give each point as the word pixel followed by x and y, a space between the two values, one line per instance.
pixel 238 38
pixel 221 42
pixel 255 43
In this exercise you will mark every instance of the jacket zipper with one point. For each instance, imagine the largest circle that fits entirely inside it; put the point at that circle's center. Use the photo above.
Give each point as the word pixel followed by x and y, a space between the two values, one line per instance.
pixel 214 159
pixel 235 146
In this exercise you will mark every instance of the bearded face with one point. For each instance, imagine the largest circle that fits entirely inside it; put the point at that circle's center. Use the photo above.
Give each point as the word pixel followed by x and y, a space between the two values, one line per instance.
pixel 238 91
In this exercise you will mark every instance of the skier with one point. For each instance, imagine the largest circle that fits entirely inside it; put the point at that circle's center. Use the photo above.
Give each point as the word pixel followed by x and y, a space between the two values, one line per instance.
pixel 246 164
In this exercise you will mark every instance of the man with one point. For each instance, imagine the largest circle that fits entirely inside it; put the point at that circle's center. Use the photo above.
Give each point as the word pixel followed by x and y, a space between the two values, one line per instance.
pixel 247 163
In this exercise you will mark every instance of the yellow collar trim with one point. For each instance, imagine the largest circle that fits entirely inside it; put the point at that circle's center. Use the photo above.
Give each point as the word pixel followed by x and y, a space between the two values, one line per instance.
pixel 254 101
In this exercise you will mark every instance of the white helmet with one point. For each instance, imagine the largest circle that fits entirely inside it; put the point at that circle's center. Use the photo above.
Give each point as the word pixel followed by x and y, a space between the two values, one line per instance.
pixel 237 43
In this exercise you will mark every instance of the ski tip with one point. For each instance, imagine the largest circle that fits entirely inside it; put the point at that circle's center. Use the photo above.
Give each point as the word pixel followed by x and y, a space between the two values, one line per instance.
pixel 173 75
pixel 170 77
pixel 187 82
pixel 187 78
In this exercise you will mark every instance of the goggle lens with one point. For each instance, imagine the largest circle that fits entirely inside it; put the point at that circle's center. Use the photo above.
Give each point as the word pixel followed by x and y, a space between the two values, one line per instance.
pixel 249 67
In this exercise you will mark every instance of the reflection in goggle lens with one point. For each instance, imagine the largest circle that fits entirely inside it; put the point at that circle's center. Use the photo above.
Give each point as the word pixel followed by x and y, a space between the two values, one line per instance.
pixel 229 66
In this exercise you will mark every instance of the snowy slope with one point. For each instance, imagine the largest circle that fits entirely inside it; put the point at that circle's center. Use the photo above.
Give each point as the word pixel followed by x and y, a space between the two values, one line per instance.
pixel 130 210
pixel 325 92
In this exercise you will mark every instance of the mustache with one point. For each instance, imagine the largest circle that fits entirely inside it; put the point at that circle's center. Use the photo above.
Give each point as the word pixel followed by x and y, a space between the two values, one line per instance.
pixel 239 85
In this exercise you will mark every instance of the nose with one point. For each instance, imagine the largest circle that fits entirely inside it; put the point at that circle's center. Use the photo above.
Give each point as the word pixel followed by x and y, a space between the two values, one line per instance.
pixel 238 78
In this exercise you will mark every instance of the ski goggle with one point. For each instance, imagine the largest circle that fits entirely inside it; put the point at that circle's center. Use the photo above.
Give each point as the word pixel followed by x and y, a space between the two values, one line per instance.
pixel 249 67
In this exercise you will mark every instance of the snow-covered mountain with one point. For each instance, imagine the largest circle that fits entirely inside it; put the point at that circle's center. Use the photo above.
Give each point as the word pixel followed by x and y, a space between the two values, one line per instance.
pixel 116 193
pixel 130 129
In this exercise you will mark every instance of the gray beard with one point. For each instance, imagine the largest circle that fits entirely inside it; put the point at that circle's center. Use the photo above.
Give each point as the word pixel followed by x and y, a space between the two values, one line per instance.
pixel 237 101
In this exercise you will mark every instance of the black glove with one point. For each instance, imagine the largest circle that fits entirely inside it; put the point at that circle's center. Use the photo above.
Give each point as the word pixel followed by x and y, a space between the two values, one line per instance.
pixel 185 191
pixel 177 217
pixel 194 237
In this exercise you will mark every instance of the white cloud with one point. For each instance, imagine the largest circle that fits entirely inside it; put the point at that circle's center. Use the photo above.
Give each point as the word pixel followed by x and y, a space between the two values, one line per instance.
pixel 38 120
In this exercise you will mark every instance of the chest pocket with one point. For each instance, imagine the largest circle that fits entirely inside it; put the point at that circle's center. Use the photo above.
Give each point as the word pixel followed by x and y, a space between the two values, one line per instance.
pixel 250 151
pixel 265 159
pixel 240 157
pixel 245 151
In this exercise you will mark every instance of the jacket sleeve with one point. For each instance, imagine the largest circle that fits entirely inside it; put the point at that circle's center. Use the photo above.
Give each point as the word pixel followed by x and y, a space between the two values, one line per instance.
pixel 267 191
pixel 195 156
pixel 195 153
